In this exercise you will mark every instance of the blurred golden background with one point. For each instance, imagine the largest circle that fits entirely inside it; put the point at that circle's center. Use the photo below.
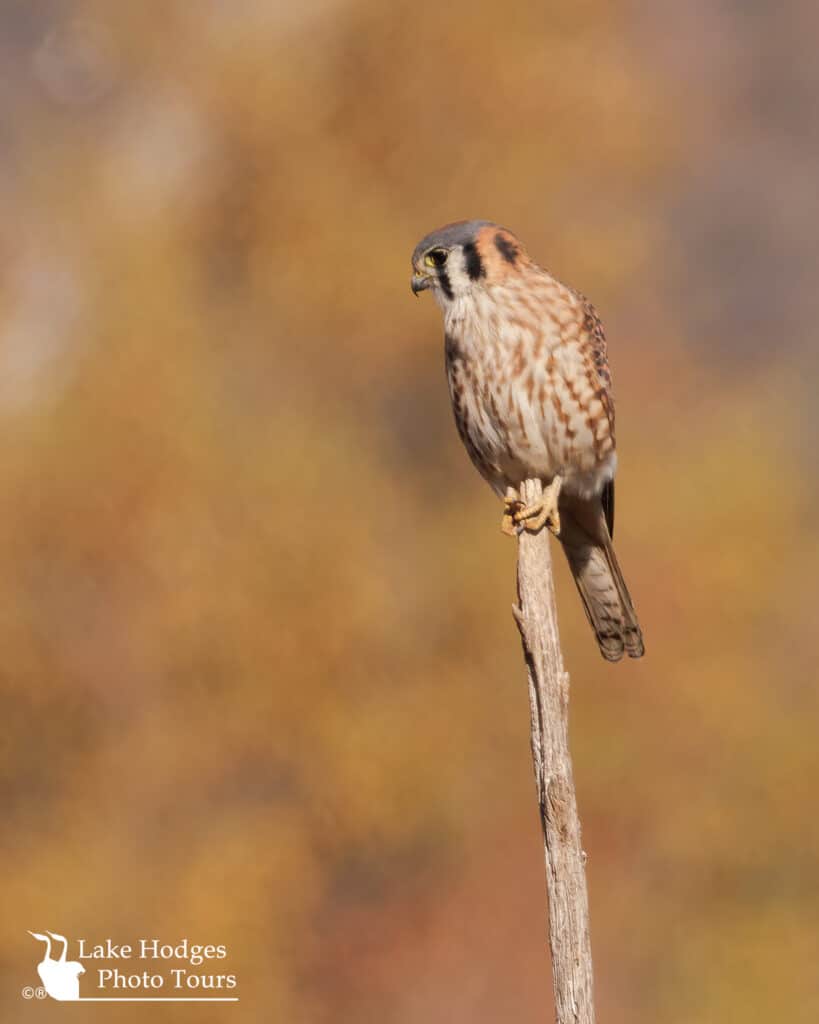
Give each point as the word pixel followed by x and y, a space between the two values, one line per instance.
pixel 261 683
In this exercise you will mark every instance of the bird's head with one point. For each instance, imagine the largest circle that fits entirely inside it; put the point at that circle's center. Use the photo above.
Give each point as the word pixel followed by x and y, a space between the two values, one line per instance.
pixel 458 258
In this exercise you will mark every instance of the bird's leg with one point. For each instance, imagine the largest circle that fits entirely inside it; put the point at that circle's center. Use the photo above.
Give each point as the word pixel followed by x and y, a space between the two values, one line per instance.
pixel 543 511
pixel 511 505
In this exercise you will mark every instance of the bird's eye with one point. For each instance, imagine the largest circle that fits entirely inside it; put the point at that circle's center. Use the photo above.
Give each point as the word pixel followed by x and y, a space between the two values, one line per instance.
pixel 436 258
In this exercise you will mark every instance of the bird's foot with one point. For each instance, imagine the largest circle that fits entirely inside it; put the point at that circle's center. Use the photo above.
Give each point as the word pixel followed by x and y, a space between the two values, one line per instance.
pixel 511 505
pixel 540 513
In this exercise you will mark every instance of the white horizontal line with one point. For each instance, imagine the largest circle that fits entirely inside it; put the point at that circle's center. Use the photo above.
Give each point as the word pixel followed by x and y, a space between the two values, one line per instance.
pixel 155 999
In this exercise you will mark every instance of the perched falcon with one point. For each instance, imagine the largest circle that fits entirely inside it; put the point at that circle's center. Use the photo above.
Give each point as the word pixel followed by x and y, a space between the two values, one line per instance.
pixel 531 391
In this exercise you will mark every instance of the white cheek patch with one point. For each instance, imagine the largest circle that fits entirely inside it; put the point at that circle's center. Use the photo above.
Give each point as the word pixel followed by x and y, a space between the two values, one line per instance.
pixel 453 277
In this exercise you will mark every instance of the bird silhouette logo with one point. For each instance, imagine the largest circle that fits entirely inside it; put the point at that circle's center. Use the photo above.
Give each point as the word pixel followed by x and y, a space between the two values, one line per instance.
pixel 60 978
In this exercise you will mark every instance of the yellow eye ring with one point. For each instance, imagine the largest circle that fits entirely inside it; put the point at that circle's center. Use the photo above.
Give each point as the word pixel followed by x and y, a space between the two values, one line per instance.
pixel 435 258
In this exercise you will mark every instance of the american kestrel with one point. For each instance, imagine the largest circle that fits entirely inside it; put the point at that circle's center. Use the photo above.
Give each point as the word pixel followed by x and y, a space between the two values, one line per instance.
pixel 531 392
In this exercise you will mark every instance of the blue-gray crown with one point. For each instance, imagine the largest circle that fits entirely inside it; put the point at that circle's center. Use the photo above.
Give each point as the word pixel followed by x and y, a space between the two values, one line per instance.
pixel 460 233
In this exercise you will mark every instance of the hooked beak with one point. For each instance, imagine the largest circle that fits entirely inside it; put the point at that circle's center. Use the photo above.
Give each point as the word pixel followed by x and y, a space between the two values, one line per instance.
pixel 420 282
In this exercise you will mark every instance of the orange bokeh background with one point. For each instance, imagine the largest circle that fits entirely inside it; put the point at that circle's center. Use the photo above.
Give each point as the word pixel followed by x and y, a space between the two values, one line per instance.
pixel 261 682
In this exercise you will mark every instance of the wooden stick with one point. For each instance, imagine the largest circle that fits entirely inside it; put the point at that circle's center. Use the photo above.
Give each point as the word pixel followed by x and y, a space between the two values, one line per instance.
pixel 536 617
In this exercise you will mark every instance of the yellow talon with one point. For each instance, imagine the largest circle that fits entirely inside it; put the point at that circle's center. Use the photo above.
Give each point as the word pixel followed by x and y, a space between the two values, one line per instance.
pixel 542 512
pixel 511 505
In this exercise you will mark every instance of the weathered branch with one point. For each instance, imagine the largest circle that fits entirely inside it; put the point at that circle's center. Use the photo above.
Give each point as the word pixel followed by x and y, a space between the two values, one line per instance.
pixel 536 616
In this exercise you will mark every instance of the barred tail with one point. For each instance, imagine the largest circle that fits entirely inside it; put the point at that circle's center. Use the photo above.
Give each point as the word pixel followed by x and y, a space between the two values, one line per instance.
pixel 585 536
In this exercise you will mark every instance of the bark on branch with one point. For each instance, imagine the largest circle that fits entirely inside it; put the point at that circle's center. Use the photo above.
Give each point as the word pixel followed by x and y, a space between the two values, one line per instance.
pixel 536 617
